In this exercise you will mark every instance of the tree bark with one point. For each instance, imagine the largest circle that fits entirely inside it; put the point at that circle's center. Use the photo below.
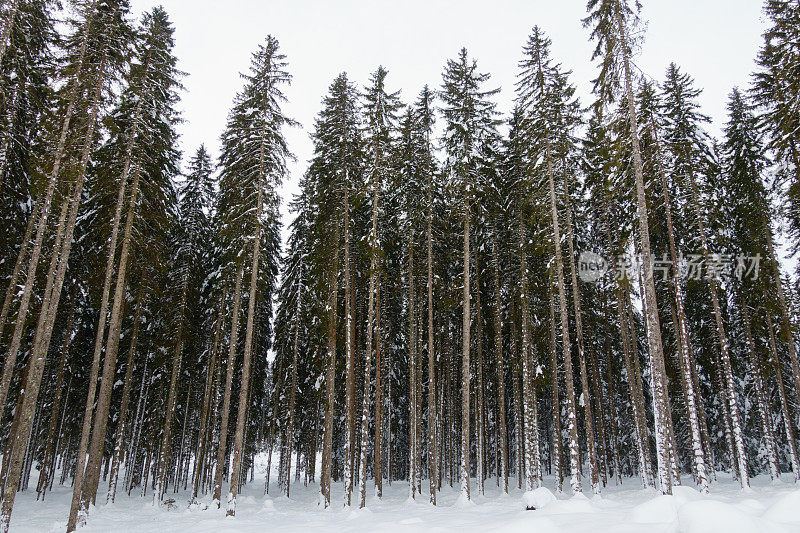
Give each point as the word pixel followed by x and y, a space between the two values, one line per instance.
pixel 222 456
pixel 787 419
pixel 652 320
pixel 119 435
pixel 498 347
pixel 465 348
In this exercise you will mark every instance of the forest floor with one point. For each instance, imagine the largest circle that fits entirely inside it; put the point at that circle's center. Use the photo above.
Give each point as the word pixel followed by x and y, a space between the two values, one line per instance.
pixel 767 508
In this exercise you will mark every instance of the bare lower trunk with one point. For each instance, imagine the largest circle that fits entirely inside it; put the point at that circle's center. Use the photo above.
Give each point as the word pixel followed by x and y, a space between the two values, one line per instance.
pixel 119 434
pixel 576 303
pixel 763 407
pixel 572 413
pixel 528 402
pixel 465 349
pixel 649 297
pixel 203 437
pixel 787 419
pixel 293 391
pixel 349 443
pixel 431 353
pixel 725 358
pixel 557 469
pixel 330 375
pixel 166 435
pixel 222 455
pixel 47 470
pixel 501 386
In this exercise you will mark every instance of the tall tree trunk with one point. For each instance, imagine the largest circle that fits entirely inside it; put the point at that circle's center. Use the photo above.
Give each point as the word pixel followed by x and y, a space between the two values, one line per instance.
pixel 412 376
pixel 203 437
pixel 349 447
pixel 239 435
pixel 47 470
pixel 44 214
pixel 687 361
pixel 480 422
pixel 763 407
pixel 222 452
pixel 119 435
pixel 554 381
pixel 786 327
pixel 50 301
pixel 431 350
pixel 725 358
pixel 85 488
pixel 373 268
pixel 525 347
pixel 378 452
pixel 572 416
pixel 293 391
pixel 576 304
pixel 330 374
pixel 652 320
pixel 498 347
pixel 787 419
pixel 166 435
pixel 92 475
pixel 465 347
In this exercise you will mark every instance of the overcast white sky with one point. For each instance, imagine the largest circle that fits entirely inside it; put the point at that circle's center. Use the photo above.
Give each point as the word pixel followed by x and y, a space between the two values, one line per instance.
pixel 715 41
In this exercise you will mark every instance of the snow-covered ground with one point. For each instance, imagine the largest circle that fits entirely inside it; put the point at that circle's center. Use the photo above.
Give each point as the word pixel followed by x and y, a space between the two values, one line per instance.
pixel 767 508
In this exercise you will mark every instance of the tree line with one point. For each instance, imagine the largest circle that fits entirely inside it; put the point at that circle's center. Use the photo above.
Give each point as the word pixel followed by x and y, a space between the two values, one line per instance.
pixel 432 315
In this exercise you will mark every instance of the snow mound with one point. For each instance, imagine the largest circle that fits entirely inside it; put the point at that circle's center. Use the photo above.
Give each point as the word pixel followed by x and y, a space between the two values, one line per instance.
pixel 709 516
pixel 661 509
pixel 538 498
pixel 577 504
pixel 268 505
pixel 786 509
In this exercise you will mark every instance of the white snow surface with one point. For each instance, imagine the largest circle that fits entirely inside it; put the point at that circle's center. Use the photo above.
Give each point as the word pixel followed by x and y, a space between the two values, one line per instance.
pixel 767 508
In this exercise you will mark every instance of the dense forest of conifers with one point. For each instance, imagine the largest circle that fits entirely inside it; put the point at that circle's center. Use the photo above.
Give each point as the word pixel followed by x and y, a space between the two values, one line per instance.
pixel 429 318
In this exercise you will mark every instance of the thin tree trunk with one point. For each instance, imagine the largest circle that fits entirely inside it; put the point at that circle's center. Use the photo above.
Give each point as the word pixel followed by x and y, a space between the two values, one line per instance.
pixel 378 452
pixel 554 381
pixel 222 455
pixel 525 348
pixel 43 216
pixel 687 361
pixel 293 391
pixel 47 470
pixel 349 445
pixel 241 416
pixel 786 328
pixel 572 416
pixel 727 370
pixel 465 347
pixel 498 347
pixel 412 375
pixel 50 302
pixel 787 419
pixel 576 304
pixel 330 375
pixel 763 408
pixel 431 349
pixel 652 320
pixel 119 435
pixel 212 370
pixel 166 435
